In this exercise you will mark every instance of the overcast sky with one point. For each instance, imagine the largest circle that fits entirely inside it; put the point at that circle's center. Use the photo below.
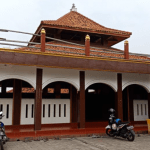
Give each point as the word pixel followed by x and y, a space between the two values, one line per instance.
pixel 127 15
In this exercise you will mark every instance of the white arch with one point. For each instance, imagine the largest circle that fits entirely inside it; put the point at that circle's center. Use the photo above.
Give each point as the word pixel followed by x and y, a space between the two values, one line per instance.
pixel 18 77
pixel 101 81
pixel 60 79
pixel 138 83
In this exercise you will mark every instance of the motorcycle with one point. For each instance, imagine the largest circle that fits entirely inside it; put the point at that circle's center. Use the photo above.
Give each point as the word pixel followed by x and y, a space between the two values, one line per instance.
pixel 118 128
pixel 3 137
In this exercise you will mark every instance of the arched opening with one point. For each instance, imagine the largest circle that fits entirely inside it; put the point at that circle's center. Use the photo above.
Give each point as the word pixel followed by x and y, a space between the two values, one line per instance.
pixel 15 101
pixel 59 103
pixel 135 103
pixel 99 98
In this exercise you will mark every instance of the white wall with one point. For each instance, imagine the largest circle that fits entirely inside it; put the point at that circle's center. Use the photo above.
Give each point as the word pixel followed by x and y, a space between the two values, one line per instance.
pixel 26 73
pixel 67 75
pixel 109 78
pixel 135 78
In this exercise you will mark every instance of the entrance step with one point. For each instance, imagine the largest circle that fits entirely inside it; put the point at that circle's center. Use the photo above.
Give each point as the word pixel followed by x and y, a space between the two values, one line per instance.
pixel 15 135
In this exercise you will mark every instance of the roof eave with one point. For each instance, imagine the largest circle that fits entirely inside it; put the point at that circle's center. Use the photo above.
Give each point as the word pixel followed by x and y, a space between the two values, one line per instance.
pixel 86 30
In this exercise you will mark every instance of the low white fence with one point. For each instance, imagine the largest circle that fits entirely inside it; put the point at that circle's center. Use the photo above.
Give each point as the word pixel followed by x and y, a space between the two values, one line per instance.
pixel 6 107
pixel 140 108
pixel 53 111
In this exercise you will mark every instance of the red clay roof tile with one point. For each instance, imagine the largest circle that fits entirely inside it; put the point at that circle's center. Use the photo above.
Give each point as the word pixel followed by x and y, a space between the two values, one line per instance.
pixel 74 51
pixel 76 20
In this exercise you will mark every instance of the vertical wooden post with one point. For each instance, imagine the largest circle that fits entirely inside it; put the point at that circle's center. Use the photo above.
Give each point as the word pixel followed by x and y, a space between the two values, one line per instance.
pixel 87 45
pixel 17 90
pixel 43 40
pixel 148 105
pixel 119 97
pixel 82 100
pixel 38 100
pixel 57 90
pixel 70 91
pixel 131 103
pixel 3 87
pixel 74 105
pixel 126 50
pixel 128 101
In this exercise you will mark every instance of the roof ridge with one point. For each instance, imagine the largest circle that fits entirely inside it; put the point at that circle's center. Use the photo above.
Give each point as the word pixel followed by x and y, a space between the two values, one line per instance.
pixel 82 16
pixel 90 20
pixel 63 16
pixel 98 23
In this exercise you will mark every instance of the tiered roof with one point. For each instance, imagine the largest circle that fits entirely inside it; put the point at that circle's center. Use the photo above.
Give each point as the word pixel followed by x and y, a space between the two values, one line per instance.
pixel 75 20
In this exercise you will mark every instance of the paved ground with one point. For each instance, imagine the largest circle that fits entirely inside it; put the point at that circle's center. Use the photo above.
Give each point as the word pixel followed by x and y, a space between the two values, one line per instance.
pixel 83 143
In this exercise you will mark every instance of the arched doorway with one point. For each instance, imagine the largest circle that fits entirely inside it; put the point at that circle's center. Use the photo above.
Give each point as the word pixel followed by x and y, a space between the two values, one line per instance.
pixel 135 103
pixel 17 101
pixel 99 98
pixel 59 103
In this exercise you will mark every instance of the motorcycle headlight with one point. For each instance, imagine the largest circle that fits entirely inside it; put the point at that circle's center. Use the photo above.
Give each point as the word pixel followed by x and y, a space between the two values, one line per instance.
pixel 114 127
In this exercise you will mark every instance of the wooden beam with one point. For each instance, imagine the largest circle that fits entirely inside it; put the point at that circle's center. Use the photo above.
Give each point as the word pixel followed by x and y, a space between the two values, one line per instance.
pixel 57 90
pixel 73 62
pixel 74 105
pixel 71 96
pixel 38 100
pixel 17 94
pixel 98 40
pixel 72 37
pixel 82 100
pixel 3 90
pixel 119 97
pixel 128 101
pixel 148 105
pixel 59 31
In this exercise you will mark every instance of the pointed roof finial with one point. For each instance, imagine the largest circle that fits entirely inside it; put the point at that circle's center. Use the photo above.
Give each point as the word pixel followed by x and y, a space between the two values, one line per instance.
pixel 73 8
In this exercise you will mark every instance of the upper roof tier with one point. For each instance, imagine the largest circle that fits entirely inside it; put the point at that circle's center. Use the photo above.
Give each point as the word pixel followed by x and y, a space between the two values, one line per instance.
pixel 74 20
pixel 73 26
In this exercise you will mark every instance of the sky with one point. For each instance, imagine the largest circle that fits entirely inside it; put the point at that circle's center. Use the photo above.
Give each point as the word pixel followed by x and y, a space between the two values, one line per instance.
pixel 126 15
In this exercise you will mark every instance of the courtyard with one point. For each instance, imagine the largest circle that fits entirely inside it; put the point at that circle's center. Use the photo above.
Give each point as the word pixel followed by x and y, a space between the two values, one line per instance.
pixel 82 143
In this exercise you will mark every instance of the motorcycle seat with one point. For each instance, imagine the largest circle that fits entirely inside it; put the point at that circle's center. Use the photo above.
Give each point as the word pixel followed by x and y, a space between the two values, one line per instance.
pixel 124 122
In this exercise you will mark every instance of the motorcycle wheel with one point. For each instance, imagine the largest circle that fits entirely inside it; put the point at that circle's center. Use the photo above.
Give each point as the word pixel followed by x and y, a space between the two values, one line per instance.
pixel 109 132
pixel 131 136
pixel 1 144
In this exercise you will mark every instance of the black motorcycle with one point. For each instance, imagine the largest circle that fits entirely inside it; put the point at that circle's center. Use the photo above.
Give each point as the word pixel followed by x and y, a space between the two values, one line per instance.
pixel 3 137
pixel 118 128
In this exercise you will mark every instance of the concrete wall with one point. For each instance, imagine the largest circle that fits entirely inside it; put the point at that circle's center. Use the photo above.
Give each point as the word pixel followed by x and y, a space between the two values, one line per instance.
pixel 67 75
pixel 109 78
pixel 135 78
pixel 28 74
